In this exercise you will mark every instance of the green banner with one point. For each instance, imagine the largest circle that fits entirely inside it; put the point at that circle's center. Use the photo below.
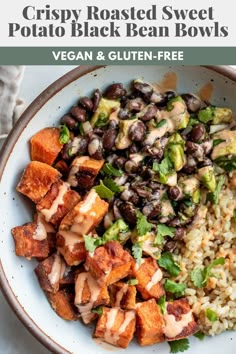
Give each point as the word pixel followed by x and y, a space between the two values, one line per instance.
pixel 117 55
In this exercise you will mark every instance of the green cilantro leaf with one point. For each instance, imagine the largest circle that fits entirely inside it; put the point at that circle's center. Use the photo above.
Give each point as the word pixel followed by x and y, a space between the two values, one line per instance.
pixel 199 276
pixel 214 196
pixel 103 191
pixel 102 120
pixel 162 304
pixel 205 115
pixel 132 281
pixel 91 243
pixel 177 346
pixel 109 183
pixel 143 225
pixel 177 289
pixel 109 170
pixel 217 142
pixel 170 105
pixel 228 163
pixel 211 315
pixel 199 335
pixel 137 252
pixel 167 262
pixel 98 310
pixel 64 134
pixel 165 168
pixel 161 123
pixel 162 231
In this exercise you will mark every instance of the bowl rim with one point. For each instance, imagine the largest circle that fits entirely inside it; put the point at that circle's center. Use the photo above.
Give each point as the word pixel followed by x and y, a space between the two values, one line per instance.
pixel 5 152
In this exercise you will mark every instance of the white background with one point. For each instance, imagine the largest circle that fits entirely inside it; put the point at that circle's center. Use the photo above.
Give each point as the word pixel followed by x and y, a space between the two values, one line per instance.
pixel 223 13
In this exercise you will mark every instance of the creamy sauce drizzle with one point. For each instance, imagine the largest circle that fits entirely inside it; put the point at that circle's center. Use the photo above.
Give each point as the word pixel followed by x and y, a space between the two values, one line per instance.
pixel 55 275
pixel 40 233
pixel 113 338
pixel 71 238
pixel 157 276
pixel 89 201
pixel 59 200
pixel 172 327
pixel 120 294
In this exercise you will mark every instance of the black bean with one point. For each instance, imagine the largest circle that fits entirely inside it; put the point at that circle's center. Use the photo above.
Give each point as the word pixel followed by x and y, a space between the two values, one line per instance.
pixel 129 195
pixel 147 173
pixel 137 131
pixel 157 97
pixel 87 103
pixel 128 212
pixel 179 233
pixel 169 95
pixel 65 153
pixel 124 114
pixel 133 149
pixel 142 87
pixel 78 113
pixel 205 162
pixel 150 113
pixel 109 138
pixel 83 145
pixel 131 166
pixel 70 122
pixel 120 161
pixel 113 123
pixel 195 150
pixel 175 222
pixel 207 146
pixel 98 131
pixel 95 148
pixel 190 165
pixel 192 102
pixel 114 91
pixel 170 246
pixel 96 99
pixel 175 193
pixel 197 133
pixel 136 104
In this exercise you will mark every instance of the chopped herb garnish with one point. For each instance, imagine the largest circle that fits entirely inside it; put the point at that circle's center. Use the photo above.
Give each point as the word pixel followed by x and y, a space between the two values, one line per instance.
pixel 211 315
pixel 177 346
pixel 103 191
pixel 143 226
pixel 109 183
pixel 214 197
pixel 102 120
pixel 228 163
pixel 217 142
pixel 162 231
pixel 199 335
pixel 205 115
pixel 109 170
pixel 164 168
pixel 167 262
pixel 64 134
pixel 81 129
pixel 161 123
pixel 177 289
pixel 98 310
pixel 137 252
pixel 91 243
pixel 132 281
pixel 162 304
pixel 199 276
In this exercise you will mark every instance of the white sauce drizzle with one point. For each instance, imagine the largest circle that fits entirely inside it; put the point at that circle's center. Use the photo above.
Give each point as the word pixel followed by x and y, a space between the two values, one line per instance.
pixel 71 238
pixel 59 200
pixel 157 276
pixel 40 232
pixel 120 294
pixel 111 318
pixel 55 274
pixel 89 201
pixel 172 327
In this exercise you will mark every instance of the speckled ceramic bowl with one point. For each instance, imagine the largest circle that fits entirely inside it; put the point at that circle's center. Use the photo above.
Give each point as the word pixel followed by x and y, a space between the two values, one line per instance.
pixel 18 281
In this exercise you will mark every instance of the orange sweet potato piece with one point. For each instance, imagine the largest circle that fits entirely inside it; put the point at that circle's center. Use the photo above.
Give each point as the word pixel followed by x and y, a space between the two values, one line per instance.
pixel 45 145
pixel 123 295
pixel 150 323
pixel 71 246
pixel 62 304
pixel 30 241
pixel 59 200
pixel 121 332
pixel 37 179
pixel 179 320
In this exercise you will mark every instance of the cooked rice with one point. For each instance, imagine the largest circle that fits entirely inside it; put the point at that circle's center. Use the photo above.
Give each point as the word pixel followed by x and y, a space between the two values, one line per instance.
pixel 212 235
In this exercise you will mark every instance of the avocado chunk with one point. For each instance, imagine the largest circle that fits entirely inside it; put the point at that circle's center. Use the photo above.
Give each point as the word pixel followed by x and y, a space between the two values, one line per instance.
pixel 190 187
pixel 207 177
pixel 118 231
pixel 215 115
pixel 178 112
pixel 224 154
pixel 122 140
pixel 175 151
pixel 105 108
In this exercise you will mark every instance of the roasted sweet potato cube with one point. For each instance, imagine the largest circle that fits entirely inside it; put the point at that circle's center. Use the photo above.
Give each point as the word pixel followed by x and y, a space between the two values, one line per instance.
pixel 83 171
pixel 109 263
pixel 50 230
pixel 45 145
pixel 50 271
pixel 71 246
pixel 85 215
pixel 59 200
pixel 30 240
pixel 149 277
pixel 62 304
pixel 37 179
pixel 179 320
pixel 150 323
pixel 88 295
pixel 123 295
pixel 116 326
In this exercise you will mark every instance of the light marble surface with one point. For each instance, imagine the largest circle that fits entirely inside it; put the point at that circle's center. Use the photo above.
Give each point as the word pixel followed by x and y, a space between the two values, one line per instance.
pixel 14 338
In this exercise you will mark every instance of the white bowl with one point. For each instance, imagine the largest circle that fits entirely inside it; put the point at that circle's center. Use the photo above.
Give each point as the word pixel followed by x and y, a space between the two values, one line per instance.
pixel 17 278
